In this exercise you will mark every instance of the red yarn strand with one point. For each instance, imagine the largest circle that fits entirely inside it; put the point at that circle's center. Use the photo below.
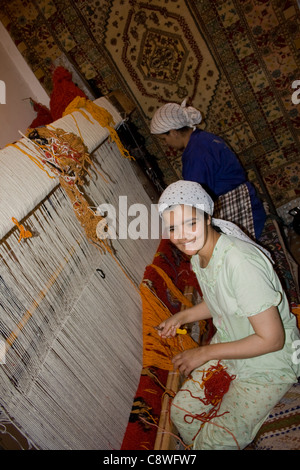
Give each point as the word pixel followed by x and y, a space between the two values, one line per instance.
pixel 216 382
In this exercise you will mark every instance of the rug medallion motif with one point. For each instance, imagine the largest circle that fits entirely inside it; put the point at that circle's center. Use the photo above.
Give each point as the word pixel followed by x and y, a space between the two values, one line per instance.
pixel 159 49
pixel 235 60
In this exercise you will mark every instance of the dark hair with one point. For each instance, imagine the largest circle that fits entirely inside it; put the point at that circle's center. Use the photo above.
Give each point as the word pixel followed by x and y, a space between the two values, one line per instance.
pixel 182 130
pixel 217 229
pixel 206 215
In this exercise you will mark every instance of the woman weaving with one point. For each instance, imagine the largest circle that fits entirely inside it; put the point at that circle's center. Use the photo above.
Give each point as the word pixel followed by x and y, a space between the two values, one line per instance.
pixel 255 330
pixel 207 160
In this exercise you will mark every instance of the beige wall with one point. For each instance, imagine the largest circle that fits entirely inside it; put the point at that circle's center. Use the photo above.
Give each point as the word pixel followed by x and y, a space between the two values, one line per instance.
pixel 16 112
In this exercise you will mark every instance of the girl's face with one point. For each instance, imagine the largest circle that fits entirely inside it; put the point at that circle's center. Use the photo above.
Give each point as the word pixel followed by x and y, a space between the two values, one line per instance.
pixel 187 228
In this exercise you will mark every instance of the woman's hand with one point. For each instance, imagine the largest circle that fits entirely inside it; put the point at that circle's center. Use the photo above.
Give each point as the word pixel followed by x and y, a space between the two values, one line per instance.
pixel 190 359
pixel 167 329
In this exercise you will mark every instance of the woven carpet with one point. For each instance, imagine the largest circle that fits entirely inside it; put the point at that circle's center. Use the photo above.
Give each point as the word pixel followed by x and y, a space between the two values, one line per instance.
pixel 236 60
pixel 283 266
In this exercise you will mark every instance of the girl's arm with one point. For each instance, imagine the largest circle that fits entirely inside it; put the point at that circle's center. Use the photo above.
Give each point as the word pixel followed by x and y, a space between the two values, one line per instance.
pixel 268 337
pixel 167 329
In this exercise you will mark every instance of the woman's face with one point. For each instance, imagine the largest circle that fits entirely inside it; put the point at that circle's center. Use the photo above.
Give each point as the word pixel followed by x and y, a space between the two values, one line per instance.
pixel 186 227
pixel 173 139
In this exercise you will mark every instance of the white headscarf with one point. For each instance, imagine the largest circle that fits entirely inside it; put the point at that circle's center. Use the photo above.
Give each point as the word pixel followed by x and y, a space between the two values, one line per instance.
pixel 192 194
pixel 174 116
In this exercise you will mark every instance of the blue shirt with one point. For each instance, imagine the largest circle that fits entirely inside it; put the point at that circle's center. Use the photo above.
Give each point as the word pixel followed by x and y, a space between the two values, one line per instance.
pixel 209 161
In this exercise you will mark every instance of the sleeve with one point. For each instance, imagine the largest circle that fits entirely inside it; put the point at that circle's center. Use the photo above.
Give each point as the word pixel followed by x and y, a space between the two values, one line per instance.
pixel 253 287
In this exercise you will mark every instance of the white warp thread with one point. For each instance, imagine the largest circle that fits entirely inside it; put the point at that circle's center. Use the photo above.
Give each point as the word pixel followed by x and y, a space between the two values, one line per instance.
pixel 72 371
pixel 23 185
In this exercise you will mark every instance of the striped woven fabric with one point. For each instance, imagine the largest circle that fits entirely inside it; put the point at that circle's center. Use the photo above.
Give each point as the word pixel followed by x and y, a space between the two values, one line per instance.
pixel 281 431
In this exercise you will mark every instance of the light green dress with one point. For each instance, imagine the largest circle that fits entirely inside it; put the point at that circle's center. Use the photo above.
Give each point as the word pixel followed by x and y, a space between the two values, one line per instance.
pixel 239 281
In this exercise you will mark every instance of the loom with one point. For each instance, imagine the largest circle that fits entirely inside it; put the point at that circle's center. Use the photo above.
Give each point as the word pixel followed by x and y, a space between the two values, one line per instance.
pixel 70 315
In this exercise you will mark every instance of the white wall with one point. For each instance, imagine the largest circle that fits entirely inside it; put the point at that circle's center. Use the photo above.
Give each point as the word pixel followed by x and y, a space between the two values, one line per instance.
pixel 20 83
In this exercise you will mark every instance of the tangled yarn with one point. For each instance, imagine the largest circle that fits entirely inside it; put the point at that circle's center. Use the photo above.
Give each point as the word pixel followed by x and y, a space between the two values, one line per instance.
pixel 65 154
pixel 101 115
pixel 62 152
pixel 216 382
pixel 23 232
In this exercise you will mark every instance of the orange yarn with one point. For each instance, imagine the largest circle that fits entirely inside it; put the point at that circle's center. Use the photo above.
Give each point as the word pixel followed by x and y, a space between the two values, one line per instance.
pixel 296 312
pixel 35 160
pixel 176 292
pixel 23 233
pixel 158 352
pixel 64 153
pixel 86 216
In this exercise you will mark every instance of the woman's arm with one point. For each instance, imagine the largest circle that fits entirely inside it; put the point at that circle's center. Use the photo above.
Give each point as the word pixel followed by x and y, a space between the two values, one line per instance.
pixel 167 329
pixel 268 337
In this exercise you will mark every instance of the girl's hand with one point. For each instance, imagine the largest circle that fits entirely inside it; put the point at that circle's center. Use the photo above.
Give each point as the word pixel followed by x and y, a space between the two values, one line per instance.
pixel 167 329
pixel 189 359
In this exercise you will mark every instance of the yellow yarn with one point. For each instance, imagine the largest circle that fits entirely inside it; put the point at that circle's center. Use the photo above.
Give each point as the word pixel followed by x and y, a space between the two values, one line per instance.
pixel 101 115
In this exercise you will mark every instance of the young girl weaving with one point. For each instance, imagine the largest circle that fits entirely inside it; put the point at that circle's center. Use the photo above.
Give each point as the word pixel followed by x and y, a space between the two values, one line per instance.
pixel 255 331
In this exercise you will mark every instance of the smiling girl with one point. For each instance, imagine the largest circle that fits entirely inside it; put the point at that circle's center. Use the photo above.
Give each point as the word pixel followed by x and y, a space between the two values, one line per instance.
pixel 254 327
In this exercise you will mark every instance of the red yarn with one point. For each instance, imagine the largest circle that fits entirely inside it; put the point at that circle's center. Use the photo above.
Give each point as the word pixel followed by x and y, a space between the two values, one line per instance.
pixel 216 383
pixel 43 117
pixel 64 91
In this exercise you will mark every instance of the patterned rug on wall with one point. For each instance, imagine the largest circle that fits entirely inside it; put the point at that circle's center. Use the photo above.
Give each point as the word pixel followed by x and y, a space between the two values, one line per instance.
pixel 236 60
